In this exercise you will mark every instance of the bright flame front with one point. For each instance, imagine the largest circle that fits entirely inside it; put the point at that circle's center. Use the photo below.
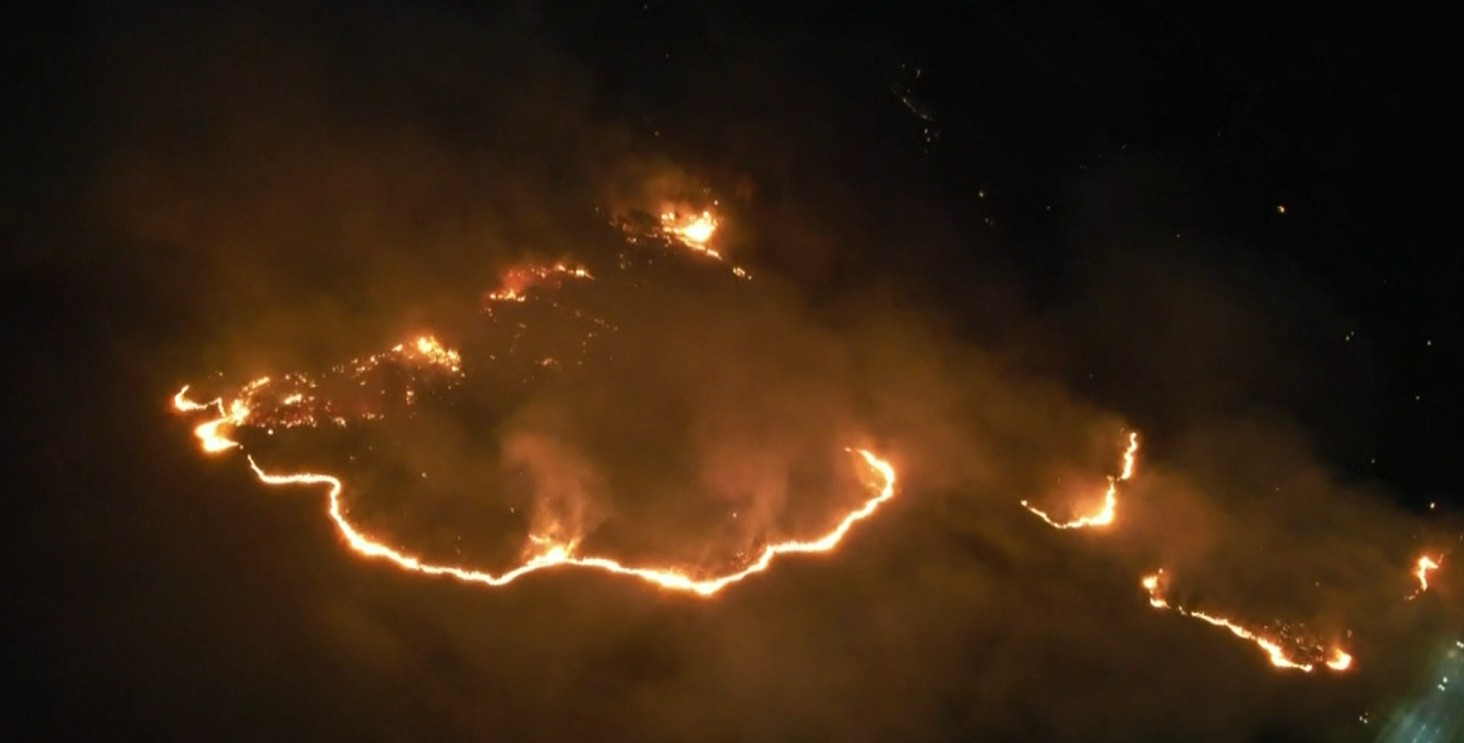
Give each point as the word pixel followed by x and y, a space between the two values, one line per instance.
pixel 1106 514
pixel 1279 655
pixel 212 438
pixel 695 230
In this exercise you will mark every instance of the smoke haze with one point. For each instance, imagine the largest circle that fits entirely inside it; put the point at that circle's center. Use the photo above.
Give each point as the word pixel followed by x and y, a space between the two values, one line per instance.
pixel 270 189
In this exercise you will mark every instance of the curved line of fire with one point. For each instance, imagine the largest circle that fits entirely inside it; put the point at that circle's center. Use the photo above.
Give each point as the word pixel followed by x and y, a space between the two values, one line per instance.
pixel 213 438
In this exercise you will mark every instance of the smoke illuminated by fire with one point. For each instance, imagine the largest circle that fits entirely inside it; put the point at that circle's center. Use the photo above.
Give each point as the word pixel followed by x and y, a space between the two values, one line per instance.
pixel 1295 653
pixel 392 383
pixel 549 553
pixel 379 386
pixel 1284 649
pixel 1109 511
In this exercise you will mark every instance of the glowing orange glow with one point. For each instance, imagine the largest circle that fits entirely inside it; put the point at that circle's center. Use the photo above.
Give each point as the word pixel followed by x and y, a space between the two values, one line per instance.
pixel 297 400
pixel 1336 660
pixel 428 349
pixel 694 230
pixel 550 554
pixel 562 555
pixel 678 226
pixel 182 404
pixel 518 280
pixel 376 389
pixel 1422 568
pixel 214 434
pixel 211 434
pixel 1109 511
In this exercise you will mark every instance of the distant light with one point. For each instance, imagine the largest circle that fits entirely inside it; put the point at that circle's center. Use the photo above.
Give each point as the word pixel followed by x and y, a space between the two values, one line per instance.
pixel 1280 208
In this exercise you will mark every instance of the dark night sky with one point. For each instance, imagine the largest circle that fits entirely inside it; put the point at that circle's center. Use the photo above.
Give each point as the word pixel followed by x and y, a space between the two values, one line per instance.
pixel 1230 229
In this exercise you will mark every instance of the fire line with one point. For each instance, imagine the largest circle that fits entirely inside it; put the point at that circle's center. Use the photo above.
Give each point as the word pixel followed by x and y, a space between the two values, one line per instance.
pixel 212 440
pixel 1337 660
pixel 1109 511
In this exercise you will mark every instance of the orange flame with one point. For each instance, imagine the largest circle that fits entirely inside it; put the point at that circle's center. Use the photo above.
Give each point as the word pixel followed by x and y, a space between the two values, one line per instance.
pixel 561 555
pixel 518 280
pixel 675 226
pixel 1337 660
pixel 213 434
pixel 210 433
pixel 1340 660
pixel 213 438
pixel 427 349
pixel 1105 515
pixel 693 230
pixel 1421 570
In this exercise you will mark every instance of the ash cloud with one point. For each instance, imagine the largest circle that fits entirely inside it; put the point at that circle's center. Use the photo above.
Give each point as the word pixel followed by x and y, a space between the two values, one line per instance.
pixel 304 185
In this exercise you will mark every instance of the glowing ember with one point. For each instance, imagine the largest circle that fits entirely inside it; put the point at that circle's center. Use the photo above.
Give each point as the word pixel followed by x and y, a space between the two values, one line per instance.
pixel 1109 511
pixel 1423 567
pixel 1336 659
pixel 518 280
pixel 425 347
pixel 291 401
pixel 549 554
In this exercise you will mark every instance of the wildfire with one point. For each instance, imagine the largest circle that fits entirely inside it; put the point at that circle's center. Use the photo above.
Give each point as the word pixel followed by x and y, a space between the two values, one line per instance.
pixel 1421 570
pixel 560 555
pixel 297 400
pixel 518 280
pixel 209 435
pixel 1336 659
pixel 427 349
pixel 693 230
pixel 364 388
pixel 1109 511
pixel 291 401
pixel 549 553
pixel 678 226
